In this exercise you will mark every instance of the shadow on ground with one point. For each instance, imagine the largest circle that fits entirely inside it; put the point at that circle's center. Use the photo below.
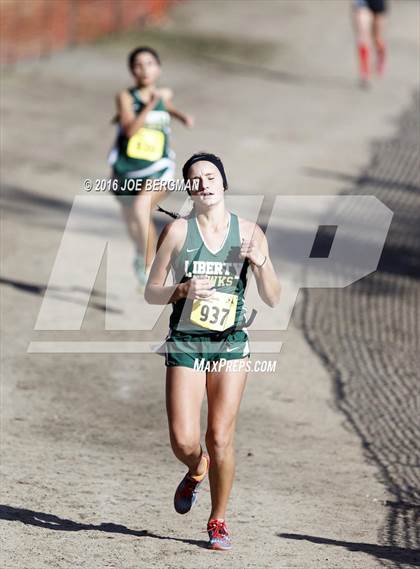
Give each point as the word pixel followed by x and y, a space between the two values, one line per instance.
pixel 389 552
pixel 55 523
pixel 61 293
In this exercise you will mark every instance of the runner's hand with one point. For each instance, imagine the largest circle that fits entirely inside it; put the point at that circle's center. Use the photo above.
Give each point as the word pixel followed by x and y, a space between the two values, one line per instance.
pixel 199 287
pixel 154 98
pixel 189 121
pixel 250 250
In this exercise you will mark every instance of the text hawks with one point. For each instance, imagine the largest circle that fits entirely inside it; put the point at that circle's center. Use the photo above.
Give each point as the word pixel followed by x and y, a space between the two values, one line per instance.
pixel 220 274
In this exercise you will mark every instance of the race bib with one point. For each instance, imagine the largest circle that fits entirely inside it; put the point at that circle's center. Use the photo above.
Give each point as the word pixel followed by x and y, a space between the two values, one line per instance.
pixel 215 313
pixel 146 144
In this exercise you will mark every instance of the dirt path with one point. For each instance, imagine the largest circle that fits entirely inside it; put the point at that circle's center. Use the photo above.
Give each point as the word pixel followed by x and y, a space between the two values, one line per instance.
pixel 87 471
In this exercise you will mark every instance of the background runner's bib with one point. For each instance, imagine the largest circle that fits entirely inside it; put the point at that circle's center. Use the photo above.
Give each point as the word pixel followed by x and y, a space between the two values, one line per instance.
pixel 146 144
pixel 227 272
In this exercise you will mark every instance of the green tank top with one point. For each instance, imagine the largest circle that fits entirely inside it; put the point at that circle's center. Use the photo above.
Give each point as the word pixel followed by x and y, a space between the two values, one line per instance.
pixel 148 145
pixel 228 272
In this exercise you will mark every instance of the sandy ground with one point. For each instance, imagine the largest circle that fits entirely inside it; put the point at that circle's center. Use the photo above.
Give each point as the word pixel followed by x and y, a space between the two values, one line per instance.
pixel 87 471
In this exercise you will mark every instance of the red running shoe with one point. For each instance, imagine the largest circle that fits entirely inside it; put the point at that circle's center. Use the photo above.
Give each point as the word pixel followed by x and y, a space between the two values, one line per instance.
pixel 218 535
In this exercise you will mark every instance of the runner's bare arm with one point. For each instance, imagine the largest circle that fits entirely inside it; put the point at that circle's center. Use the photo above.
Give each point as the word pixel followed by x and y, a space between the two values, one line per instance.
pixel 156 292
pixel 129 121
pixel 167 96
pixel 255 248
pixel 168 247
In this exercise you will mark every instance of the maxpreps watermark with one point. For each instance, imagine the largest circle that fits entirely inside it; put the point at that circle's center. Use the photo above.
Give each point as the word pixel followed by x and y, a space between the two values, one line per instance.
pixel 248 365
pixel 295 229
pixel 137 184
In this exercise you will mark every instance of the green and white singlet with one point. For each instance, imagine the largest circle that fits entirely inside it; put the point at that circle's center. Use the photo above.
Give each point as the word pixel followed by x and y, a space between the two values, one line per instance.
pixel 207 331
pixel 224 268
pixel 147 153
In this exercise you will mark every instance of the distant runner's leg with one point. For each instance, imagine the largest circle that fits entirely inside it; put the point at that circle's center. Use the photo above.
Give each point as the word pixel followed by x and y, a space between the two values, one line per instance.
pixel 363 24
pixel 378 38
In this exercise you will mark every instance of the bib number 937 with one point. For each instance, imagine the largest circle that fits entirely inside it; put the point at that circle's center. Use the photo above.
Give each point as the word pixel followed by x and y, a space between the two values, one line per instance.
pixel 215 313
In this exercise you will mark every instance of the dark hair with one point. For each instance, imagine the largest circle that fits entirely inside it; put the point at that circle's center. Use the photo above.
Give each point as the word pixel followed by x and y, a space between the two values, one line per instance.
pixel 144 49
pixel 198 157
pixel 192 160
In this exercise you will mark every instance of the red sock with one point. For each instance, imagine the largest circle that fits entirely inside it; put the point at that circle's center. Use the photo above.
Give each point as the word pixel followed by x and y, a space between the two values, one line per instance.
pixel 380 57
pixel 364 60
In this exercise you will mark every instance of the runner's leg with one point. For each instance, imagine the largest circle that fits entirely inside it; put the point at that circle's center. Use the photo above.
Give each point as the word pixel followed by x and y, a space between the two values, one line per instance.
pixel 185 389
pixel 142 208
pixel 144 205
pixel 363 24
pixel 378 38
pixel 131 223
pixel 156 197
pixel 224 394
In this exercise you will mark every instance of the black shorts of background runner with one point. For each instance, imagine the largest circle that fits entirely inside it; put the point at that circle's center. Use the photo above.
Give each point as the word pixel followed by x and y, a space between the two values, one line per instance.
pixel 375 6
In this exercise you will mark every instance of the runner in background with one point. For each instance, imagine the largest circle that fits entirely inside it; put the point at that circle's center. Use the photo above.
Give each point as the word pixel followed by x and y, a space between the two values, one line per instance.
pixel 142 151
pixel 369 19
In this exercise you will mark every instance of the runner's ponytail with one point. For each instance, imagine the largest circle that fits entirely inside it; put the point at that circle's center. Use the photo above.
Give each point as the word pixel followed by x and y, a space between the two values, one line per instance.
pixel 170 213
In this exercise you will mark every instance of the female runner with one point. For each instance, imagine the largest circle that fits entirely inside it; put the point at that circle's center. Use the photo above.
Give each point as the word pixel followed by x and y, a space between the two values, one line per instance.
pixel 207 347
pixel 142 152
pixel 369 19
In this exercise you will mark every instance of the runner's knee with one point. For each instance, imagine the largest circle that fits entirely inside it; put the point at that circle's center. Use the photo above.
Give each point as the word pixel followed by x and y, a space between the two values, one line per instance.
pixel 184 445
pixel 218 439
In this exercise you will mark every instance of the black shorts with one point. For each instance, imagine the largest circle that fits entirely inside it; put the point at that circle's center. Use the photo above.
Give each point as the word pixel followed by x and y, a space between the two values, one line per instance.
pixel 375 6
